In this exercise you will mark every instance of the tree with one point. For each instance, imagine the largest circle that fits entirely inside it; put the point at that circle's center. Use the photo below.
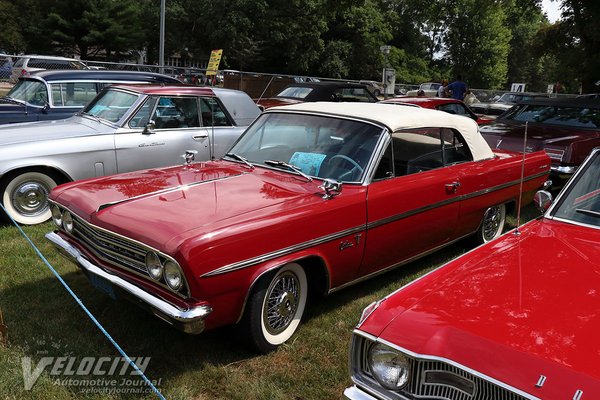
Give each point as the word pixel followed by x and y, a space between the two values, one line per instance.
pixel 11 40
pixel 478 41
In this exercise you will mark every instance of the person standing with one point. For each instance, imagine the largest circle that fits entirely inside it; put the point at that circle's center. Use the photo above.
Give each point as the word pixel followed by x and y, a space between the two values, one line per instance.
pixel 442 90
pixel 457 88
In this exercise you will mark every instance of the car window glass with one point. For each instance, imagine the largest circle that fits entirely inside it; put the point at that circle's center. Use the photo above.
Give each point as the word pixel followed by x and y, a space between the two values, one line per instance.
pixel 417 150
pixel 142 117
pixel 32 91
pixel 18 63
pixel 319 146
pixel 582 117
pixel 582 201
pixel 354 95
pixel 453 108
pixel 111 105
pixel 455 149
pixel 72 94
pixel 176 112
pixel 295 92
pixel 212 113
pixel 385 169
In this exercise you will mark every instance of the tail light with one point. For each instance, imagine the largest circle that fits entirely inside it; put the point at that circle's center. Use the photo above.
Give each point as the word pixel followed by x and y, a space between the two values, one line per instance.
pixel 24 72
pixel 555 154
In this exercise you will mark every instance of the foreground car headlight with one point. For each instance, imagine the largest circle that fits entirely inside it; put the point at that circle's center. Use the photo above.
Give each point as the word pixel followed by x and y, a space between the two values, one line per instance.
pixel 173 275
pixel 155 268
pixel 67 220
pixel 389 366
pixel 56 215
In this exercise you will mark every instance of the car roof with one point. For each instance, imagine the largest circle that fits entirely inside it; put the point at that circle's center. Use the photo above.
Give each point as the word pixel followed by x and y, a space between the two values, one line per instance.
pixel 399 118
pixel 48 57
pixel 160 89
pixel 99 75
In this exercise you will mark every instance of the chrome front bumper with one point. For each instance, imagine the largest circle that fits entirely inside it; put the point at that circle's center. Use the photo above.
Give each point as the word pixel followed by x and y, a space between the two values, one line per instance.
pixel 190 320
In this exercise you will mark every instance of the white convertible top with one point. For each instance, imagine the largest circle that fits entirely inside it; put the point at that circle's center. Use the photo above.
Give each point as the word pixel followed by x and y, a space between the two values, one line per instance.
pixel 397 117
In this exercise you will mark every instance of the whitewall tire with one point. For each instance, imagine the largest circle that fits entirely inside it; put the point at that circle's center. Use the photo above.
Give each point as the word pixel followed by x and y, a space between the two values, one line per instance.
pixel 25 197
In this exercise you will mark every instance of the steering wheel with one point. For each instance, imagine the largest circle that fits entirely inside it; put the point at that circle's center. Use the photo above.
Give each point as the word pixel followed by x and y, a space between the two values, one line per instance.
pixel 355 165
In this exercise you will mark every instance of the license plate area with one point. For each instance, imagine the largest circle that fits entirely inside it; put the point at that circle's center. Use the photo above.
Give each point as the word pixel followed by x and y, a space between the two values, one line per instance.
pixel 103 285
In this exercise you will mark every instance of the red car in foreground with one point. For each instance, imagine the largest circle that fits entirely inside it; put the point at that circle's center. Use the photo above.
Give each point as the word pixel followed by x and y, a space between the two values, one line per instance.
pixel 451 106
pixel 516 318
pixel 312 198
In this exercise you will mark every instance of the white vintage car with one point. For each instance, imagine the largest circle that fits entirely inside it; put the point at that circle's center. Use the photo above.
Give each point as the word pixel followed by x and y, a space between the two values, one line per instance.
pixel 125 128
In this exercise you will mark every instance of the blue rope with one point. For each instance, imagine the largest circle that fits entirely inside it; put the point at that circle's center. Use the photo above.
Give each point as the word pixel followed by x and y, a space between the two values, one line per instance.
pixel 88 312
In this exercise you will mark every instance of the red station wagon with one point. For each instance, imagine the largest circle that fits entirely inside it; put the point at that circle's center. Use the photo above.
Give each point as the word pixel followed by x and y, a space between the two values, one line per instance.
pixel 514 319
pixel 312 198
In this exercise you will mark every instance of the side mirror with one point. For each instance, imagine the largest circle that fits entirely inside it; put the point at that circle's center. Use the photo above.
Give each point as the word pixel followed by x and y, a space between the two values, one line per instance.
pixel 149 128
pixel 46 108
pixel 332 188
pixel 542 200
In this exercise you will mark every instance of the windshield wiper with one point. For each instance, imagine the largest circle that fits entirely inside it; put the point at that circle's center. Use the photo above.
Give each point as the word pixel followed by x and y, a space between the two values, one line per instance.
pixel 94 117
pixel 240 158
pixel 588 212
pixel 10 100
pixel 275 163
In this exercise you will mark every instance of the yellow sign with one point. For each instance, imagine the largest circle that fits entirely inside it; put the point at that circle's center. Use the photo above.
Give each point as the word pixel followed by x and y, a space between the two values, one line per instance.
pixel 213 62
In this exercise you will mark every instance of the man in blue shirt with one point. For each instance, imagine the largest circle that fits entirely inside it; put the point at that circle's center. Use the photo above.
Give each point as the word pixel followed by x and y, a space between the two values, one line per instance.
pixel 458 88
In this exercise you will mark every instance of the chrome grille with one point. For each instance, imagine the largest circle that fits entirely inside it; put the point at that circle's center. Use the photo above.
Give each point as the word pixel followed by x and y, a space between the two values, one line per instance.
pixel 421 386
pixel 110 247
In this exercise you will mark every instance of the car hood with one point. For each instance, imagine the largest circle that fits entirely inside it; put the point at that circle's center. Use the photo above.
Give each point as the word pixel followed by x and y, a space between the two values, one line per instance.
pixel 49 130
pixel 521 307
pixel 509 136
pixel 162 204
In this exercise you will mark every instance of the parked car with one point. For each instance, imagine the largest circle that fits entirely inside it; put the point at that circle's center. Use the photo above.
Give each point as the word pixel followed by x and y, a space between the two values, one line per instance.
pixel 375 87
pixel 566 128
pixel 312 198
pixel 124 128
pixel 430 89
pixel 513 319
pixel 504 102
pixel 448 105
pixel 25 65
pixel 319 91
pixel 57 94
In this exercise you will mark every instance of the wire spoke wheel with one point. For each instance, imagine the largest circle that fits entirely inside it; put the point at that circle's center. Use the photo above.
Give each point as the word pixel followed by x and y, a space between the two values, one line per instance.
pixel 493 223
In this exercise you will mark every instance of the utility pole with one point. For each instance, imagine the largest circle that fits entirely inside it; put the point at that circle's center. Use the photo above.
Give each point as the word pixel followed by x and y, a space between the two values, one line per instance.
pixel 161 45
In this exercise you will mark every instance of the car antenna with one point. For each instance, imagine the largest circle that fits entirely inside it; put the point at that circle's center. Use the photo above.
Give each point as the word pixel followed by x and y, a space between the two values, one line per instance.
pixel 266 87
pixel 212 130
pixel 517 231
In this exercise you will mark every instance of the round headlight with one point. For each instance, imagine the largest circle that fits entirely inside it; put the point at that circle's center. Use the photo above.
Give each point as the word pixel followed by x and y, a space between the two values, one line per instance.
pixel 67 219
pixel 389 366
pixel 56 215
pixel 173 275
pixel 155 268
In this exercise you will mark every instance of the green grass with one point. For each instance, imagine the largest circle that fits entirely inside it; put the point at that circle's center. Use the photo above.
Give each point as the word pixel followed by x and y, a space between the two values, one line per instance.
pixel 43 319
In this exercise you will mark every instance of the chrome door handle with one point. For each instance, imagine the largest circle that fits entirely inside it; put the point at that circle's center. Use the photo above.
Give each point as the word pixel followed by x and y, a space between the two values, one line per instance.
pixel 199 137
pixel 452 187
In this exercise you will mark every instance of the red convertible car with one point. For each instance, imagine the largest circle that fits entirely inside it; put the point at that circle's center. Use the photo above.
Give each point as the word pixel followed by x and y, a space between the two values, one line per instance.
pixel 514 319
pixel 451 106
pixel 312 198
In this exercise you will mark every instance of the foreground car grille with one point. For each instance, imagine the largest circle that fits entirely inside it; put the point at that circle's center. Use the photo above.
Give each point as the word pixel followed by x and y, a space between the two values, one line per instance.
pixel 110 247
pixel 429 379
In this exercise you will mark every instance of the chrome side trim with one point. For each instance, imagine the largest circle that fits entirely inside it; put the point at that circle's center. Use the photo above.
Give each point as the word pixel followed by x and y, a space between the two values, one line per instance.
pixel 452 200
pixel 447 361
pixel 168 190
pixel 282 252
pixel 391 267
pixel 188 315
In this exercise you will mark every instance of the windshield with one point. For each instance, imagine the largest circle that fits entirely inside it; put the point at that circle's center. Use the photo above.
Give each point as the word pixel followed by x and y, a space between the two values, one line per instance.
pixel 581 117
pixel 582 201
pixel 295 92
pixel 31 91
pixel 111 105
pixel 322 147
